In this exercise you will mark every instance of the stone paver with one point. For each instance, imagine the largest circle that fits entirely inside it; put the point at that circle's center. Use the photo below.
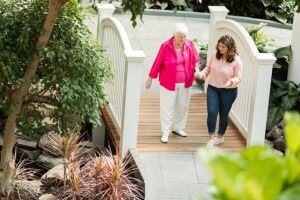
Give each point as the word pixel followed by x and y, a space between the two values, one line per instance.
pixel 174 176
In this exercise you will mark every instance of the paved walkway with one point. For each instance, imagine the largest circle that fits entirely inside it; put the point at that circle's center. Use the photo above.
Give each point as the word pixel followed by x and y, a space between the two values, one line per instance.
pixel 174 176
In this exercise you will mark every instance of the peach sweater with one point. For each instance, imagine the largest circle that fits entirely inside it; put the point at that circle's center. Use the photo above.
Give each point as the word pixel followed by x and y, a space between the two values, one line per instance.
pixel 220 72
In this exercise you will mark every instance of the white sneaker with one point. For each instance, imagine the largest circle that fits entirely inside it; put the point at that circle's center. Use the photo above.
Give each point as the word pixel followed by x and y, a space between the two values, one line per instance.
pixel 180 133
pixel 218 140
pixel 211 142
pixel 165 137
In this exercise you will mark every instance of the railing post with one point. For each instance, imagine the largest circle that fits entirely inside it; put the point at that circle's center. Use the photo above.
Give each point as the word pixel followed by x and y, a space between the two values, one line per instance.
pixel 294 67
pixel 260 99
pixel 216 13
pixel 104 11
pixel 129 126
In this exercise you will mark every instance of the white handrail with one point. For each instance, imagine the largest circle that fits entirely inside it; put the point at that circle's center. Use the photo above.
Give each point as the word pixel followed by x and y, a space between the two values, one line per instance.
pixel 124 92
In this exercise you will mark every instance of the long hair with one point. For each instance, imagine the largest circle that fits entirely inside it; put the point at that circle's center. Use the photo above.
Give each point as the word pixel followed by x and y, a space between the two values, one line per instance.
pixel 231 48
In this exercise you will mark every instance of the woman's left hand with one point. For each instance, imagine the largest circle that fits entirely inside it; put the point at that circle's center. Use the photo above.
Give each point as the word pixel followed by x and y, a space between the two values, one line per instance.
pixel 232 83
pixel 229 83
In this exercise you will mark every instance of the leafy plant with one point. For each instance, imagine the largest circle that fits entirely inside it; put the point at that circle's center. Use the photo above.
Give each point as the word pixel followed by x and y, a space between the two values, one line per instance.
pixel 104 176
pixel 297 3
pixel 280 67
pixel 72 66
pixel 259 37
pixel 136 7
pixel 282 10
pixel 258 172
pixel 155 4
pixel 179 5
pixel 284 96
pixel 21 188
pixel 67 147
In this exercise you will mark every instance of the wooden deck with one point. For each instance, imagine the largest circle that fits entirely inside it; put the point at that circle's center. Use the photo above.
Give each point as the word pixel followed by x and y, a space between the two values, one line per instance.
pixel 149 132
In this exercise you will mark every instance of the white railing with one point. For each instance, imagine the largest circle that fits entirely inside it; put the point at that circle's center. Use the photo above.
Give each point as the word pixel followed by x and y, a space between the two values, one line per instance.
pixel 249 112
pixel 126 65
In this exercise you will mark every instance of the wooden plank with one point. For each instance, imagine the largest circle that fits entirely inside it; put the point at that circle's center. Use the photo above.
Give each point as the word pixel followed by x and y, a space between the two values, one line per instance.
pixel 150 132
pixel 111 127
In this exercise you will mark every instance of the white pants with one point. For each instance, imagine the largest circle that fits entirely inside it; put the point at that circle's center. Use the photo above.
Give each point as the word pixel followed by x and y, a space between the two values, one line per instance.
pixel 174 107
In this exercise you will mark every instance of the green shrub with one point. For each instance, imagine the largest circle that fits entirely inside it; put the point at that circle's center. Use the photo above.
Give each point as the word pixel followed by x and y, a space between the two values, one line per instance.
pixel 281 10
pixel 68 87
pixel 258 172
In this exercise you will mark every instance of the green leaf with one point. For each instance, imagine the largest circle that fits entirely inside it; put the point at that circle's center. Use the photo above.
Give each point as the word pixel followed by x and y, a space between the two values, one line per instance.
pixel 269 13
pixel 266 2
pixel 280 18
pixel 291 193
pixel 292 168
pixel 283 52
pixel 253 30
pixel 292 131
pixel 256 179
pixel 275 114
pixel 288 102
pixel 278 83
pixel 280 92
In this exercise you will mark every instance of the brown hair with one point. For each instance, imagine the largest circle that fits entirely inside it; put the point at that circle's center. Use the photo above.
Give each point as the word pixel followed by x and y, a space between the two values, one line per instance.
pixel 231 48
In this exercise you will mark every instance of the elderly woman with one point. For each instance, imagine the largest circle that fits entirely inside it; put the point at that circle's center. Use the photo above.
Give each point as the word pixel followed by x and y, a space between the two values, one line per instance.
pixel 225 71
pixel 175 63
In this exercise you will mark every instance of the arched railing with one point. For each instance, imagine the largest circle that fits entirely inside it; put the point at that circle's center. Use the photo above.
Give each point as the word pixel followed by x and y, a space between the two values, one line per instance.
pixel 249 112
pixel 124 91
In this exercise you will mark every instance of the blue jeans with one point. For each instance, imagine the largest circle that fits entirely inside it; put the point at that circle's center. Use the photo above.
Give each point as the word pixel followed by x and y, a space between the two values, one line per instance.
pixel 219 101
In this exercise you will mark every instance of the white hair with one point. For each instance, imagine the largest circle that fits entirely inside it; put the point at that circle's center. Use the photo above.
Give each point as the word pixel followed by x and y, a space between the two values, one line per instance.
pixel 181 28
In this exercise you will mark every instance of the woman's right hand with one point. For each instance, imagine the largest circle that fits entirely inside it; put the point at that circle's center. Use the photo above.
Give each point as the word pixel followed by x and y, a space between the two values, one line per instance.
pixel 148 83
pixel 201 75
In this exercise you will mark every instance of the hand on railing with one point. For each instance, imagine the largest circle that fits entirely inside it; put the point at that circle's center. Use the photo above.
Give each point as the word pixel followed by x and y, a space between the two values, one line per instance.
pixel 148 83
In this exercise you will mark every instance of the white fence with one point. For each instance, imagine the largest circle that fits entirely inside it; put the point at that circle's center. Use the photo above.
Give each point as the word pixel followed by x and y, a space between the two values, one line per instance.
pixel 249 112
pixel 124 91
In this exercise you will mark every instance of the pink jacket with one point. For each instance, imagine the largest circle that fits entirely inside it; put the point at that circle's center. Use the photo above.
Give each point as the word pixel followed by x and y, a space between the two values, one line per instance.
pixel 166 62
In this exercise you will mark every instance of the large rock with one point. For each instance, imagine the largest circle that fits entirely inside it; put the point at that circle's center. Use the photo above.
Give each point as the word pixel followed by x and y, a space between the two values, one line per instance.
pixel 30 154
pixel 33 186
pixel 280 144
pixel 48 197
pixel 26 143
pixel 269 143
pixel 281 125
pixel 275 133
pixel 49 161
pixel 46 145
pixel 54 175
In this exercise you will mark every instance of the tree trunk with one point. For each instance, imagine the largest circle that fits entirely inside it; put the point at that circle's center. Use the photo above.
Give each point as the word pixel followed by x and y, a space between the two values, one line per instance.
pixel 54 8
